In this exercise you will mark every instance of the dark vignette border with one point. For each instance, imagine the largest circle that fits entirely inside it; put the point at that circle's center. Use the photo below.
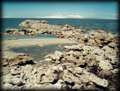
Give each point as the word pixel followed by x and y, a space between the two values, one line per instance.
pixel 19 1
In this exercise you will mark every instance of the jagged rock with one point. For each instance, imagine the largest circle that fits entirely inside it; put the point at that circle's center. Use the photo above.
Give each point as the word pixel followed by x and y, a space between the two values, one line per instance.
pixel 27 69
pixel 67 27
pixel 7 86
pixel 48 58
pixel 12 31
pixel 55 57
pixel 59 84
pixel 105 65
pixel 112 45
pixel 97 51
pixel 74 47
pixel 70 78
pixel 87 76
pixel 49 77
pixel 106 48
pixel 115 70
pixel 5 70
pixel 5 62
pixel 110 36
pixel 44 21
pixel 110 53
pixel 98 81
pixel 7 78
pixel 69 58
pixel 15 70
pixel 21 33
pixel 105 73
pixel 113 59
pixel 90 62
pixel 21 60
pixel 77 86
pixel 87 50
pixel 16 81
pixel 58 53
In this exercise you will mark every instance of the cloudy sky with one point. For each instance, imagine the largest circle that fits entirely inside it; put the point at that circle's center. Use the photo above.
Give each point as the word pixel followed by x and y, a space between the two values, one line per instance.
pixel 101 10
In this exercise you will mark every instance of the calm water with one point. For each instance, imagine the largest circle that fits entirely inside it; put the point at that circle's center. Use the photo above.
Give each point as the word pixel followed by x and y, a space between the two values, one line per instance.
pixel 107 25
pixel 38 53
pixel 9 37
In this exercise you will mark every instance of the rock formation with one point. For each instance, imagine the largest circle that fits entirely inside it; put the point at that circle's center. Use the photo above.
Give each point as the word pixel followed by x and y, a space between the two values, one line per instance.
pixel 92 63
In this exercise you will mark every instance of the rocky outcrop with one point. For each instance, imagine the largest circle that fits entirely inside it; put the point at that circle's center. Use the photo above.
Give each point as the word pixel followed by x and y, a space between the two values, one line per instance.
pixel 85 68
pixel 92 63
pixel 18 60
pixel 93 38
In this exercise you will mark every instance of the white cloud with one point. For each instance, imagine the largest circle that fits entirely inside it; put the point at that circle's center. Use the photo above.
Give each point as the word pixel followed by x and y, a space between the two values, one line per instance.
pixel 54 16
pixel 63 16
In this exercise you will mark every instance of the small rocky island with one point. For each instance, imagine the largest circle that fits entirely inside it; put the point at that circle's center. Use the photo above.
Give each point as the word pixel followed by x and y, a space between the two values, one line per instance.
pixel 91 62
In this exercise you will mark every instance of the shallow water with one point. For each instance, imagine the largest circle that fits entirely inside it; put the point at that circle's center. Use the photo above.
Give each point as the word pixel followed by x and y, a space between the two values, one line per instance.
pixel 37 52
pixel 10 37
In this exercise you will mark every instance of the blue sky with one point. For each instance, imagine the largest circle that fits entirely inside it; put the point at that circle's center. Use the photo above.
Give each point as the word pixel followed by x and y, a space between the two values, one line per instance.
pixel 101 10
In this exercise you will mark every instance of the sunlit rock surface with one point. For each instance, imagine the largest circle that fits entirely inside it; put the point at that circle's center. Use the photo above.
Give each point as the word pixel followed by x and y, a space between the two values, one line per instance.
pixel 92 63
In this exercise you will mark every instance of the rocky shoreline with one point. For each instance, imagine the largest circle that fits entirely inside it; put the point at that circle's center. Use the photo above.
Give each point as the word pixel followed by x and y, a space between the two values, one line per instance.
pixel 92 63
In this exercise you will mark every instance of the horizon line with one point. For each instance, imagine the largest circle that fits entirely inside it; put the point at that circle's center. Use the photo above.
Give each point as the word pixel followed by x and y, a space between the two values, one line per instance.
pixel 62 18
